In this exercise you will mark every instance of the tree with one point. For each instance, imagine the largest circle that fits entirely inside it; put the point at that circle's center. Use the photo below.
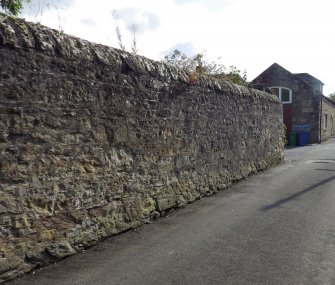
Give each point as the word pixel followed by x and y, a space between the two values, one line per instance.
pixel 199 64
pixel 235 75
pixel 12 7
pixel 332 96
pixel 180 60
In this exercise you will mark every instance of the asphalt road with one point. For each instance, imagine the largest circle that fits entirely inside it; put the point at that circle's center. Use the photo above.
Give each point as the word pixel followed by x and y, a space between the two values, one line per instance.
pixel 277 227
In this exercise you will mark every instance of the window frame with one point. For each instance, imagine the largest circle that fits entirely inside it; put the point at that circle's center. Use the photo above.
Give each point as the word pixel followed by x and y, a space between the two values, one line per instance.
pixel 280 94
pixel 325 121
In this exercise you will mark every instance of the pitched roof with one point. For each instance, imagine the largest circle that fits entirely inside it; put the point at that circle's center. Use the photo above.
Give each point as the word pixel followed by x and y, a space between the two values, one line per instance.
pixel 328 99
pixel 276 65
pixel 308 78
pixel 304 77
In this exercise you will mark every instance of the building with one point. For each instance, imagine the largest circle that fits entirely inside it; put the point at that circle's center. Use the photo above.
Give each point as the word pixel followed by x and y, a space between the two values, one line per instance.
pixel 305 109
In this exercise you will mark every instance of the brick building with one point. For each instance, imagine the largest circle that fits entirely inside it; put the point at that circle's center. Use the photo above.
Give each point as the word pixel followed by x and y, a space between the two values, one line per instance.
pixel 305 108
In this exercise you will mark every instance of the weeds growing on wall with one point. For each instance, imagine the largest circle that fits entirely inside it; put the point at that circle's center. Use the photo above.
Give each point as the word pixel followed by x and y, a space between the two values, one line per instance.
pixel 133 31
pixel 332 96
pixel 12 7
pixel 199 64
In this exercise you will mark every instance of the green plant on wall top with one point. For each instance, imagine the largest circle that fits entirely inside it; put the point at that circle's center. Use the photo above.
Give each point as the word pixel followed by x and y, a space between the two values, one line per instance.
pixel 332 96
pixel 12 7
pixel 199 64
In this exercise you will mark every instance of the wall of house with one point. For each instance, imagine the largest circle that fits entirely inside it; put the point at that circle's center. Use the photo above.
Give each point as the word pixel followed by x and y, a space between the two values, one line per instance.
pixel 327 108
pixel 95 141
pixel 305 102
pixel 306 106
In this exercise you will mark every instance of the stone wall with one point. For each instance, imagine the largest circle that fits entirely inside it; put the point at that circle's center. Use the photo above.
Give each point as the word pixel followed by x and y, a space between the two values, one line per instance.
pixel 328 107
pixel 95 141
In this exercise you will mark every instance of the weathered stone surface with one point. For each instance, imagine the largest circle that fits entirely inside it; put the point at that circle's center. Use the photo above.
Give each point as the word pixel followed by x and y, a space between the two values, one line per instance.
pixel 154 215
pixel 328 107
pixel 60 250
pixel 11 267
pixel 95 141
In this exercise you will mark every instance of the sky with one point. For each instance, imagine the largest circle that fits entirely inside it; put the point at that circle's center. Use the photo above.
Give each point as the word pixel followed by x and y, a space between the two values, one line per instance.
pixel 251 35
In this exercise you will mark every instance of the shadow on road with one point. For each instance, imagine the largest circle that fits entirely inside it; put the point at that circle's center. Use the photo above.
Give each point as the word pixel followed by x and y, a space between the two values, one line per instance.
pixel 295 195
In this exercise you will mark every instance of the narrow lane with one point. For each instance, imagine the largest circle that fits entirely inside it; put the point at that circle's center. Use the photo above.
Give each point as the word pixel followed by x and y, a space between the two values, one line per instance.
pixel 277 227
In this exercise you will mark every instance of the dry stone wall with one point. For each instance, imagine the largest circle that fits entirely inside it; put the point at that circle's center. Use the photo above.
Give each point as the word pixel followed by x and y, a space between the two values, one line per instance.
pixel 95 141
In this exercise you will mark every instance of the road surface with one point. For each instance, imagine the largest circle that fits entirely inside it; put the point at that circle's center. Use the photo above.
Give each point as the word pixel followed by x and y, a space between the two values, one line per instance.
pixel 277 227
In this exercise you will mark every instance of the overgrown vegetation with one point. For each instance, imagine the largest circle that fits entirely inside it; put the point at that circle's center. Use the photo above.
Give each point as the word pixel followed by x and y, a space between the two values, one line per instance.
pixel 199 65
pixel 12 7
pixel 133 31
pixel 332 96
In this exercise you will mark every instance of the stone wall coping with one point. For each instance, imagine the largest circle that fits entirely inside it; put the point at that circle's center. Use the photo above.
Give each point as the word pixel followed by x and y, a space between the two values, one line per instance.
pixel 20 34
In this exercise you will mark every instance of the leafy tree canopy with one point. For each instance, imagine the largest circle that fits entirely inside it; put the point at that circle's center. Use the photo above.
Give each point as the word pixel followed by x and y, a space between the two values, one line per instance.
pixel 332 96
pixel 199 64
pixel 12 7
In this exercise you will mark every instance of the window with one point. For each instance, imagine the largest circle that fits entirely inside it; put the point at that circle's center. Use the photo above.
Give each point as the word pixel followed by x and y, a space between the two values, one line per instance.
pixel 284 94
pixel 325 121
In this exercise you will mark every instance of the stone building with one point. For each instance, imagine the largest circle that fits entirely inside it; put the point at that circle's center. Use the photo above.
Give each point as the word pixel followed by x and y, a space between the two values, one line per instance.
pixel 305 109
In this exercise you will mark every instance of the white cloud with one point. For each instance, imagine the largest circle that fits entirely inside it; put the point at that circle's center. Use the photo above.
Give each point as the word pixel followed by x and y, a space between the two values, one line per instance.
pixel 89 22
pixel 248 34
pixel 142 19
